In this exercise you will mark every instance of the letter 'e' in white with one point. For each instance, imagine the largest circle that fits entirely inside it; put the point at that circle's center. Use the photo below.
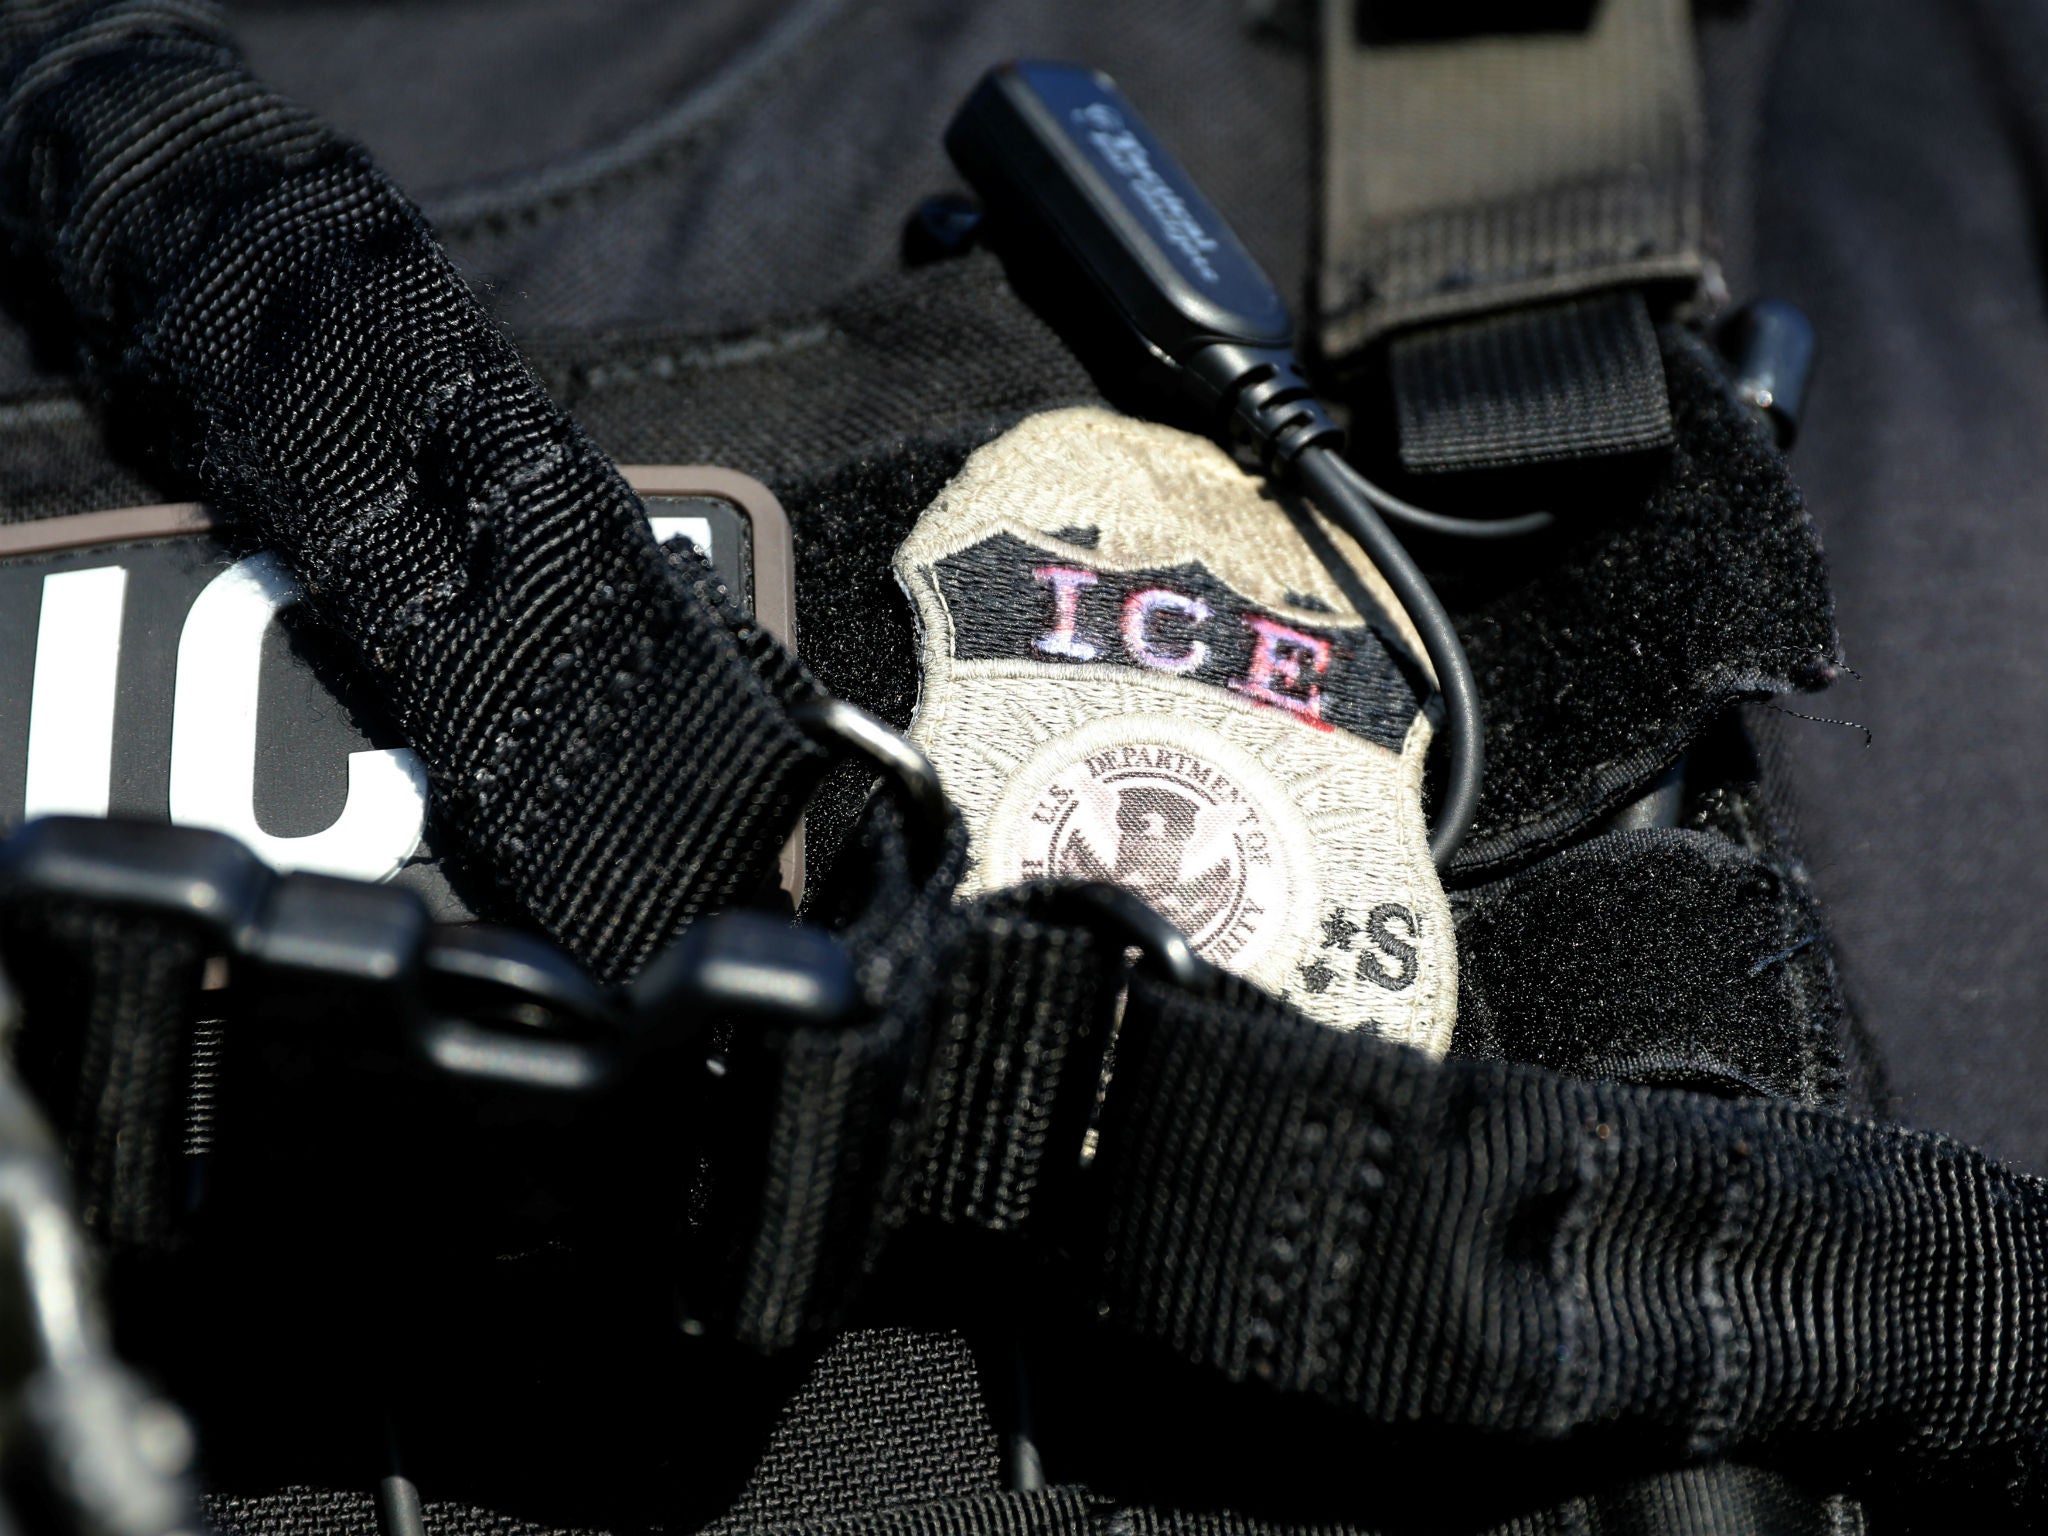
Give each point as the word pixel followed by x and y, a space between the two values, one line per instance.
pixel 71 705
pixel 213 741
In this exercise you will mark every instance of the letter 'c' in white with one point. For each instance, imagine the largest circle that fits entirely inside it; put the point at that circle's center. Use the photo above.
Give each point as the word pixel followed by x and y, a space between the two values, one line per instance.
pixel 1138 610
pixel 213 741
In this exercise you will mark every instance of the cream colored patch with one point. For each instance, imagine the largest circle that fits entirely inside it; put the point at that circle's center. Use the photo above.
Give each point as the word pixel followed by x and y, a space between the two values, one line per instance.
pixel 1174 734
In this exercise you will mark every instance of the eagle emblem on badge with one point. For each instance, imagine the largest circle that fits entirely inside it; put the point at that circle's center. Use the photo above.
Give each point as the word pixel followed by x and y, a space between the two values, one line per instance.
pixel 1137 667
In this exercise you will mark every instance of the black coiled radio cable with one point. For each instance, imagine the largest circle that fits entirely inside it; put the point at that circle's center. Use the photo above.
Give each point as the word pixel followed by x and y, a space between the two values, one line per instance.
pixel 1071 177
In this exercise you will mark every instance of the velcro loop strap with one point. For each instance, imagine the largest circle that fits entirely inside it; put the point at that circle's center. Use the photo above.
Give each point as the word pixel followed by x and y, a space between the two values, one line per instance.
pixel 1589 690
pixel 1554 382
pixel 1660 956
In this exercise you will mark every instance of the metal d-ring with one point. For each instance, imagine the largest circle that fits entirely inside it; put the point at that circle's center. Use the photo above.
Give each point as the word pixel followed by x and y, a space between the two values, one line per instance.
pixel 839 726
pixel 1141 926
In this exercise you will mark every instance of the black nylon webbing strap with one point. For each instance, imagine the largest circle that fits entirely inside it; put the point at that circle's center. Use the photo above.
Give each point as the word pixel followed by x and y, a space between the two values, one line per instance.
pixel 1578 380
pixel 1022 1014
pixel 603 732
pixel 1489 1246
pixel 836 1118
pixel 1490 172
pixel 1478 190
pixel 105 1044
pixel 829 1124
pixel 1457 1244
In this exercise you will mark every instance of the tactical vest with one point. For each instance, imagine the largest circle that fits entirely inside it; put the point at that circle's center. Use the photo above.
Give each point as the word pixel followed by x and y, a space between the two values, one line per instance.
pixel 875 971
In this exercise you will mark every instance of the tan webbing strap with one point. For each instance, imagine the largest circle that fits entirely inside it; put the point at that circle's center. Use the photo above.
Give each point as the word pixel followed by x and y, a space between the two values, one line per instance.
pixel 1480 173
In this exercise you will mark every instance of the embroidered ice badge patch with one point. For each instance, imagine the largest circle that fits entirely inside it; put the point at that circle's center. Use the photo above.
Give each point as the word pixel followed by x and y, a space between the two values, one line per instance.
pixel 1136 668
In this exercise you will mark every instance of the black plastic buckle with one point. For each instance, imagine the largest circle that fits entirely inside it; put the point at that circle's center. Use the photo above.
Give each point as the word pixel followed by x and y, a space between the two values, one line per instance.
pixel 368 1060
pixel 747 965
pixel 473 1089
pixel 1773 347
pixel 203 878
pixel 448 1083
pixel 751 1004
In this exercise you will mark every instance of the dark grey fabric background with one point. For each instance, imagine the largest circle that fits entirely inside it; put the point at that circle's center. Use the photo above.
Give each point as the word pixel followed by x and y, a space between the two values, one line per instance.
pixel 621 163
pixel 643 166
pixel 1900 198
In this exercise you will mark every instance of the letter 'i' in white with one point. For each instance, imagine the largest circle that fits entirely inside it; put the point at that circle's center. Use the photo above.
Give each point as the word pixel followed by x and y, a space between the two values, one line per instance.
pixel 71 703
pixel 1066 582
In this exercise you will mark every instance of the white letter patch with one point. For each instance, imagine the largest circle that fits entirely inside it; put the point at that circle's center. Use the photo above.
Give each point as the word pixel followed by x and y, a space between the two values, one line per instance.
pixel 1136 668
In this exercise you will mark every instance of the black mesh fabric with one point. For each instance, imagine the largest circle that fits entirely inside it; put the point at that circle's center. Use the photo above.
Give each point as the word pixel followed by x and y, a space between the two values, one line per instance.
pixel 1694 1502
pixel 330 1512
pixel 1064 1512
pixel 891 1417
pixel 600 726
pixel 58 462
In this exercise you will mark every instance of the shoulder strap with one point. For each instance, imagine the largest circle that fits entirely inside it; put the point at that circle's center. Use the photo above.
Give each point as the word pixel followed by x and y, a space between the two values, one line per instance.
pixel 1326 1218
pixel 607 737
pixel 1492 1247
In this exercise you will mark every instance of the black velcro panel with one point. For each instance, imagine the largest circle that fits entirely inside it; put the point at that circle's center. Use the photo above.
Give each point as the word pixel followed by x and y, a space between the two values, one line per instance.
pixel 1600 661
pixel 1665 957
pixel 1578 380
